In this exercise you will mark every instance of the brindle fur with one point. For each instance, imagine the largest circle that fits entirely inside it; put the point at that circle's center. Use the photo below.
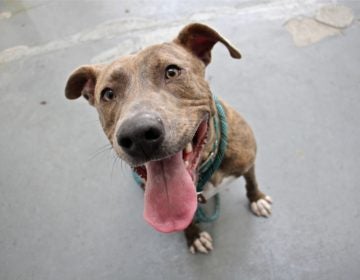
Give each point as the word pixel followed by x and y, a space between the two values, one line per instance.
pixel 139 84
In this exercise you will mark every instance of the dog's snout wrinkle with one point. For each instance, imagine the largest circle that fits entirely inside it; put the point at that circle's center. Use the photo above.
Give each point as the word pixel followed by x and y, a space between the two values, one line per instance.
pixel 141 136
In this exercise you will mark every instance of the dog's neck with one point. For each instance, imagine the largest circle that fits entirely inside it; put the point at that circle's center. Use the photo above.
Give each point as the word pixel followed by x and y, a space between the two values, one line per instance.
pixel 215 149
pixel 212 144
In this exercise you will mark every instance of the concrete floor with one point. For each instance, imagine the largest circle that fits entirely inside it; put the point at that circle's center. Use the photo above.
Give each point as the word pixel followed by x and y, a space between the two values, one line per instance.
pixel 69 210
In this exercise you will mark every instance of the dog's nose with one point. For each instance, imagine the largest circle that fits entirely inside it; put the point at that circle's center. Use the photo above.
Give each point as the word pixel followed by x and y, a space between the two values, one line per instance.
pixel 141 135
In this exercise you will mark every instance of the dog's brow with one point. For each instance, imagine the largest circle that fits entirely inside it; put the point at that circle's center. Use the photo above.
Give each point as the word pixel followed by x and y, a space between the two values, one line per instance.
pixel 120 76
pixel 162 54
pixel 171 53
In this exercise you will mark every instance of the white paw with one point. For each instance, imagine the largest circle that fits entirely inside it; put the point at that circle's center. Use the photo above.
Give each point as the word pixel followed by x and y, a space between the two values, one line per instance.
pixel 262 207
pixel 203 244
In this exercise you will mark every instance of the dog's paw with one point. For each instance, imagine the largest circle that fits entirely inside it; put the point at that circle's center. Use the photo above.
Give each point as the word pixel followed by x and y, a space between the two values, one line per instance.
pixel 202 244
pixel 262 207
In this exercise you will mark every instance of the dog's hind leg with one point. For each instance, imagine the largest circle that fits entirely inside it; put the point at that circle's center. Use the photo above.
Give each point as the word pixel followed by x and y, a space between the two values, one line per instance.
pixel 260 203
pixel 198 240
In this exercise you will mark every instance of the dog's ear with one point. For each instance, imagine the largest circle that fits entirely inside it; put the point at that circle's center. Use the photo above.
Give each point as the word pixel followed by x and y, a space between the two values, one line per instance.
pixel 82 82
pixel 200 39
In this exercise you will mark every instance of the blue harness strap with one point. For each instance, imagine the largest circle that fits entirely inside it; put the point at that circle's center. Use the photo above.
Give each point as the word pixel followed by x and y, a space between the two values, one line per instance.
pixel 209 167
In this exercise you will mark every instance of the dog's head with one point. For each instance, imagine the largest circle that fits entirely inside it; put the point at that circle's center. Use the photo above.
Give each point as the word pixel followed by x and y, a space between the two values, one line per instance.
pixel 156 109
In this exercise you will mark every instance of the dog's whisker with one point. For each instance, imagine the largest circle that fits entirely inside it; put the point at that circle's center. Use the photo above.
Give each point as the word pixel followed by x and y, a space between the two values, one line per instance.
pixel 100 151
pixel 115 158
pixel 108 145
pixel 115 161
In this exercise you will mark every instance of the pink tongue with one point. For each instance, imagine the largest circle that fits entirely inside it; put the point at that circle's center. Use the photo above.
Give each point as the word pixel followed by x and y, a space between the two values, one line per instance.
pixel 170 196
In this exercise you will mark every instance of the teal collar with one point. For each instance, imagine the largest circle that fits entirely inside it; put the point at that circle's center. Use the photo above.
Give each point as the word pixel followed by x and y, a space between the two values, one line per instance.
pixel 209 167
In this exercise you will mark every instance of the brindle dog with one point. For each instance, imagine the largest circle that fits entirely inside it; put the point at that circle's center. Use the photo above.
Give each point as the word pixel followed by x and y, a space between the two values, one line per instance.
pixel 158 113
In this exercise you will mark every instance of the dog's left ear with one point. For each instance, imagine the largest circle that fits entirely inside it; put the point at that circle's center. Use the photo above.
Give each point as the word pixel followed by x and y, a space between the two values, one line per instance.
pixel 200 39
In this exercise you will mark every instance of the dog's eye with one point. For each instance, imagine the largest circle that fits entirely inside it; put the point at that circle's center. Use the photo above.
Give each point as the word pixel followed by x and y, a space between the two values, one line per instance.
pixel 172 71
pixel 107 94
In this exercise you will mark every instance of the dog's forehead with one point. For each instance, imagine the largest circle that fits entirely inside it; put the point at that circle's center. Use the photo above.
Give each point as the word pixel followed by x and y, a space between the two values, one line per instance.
pixel 150 60
pixel 162 52
pixel 165 52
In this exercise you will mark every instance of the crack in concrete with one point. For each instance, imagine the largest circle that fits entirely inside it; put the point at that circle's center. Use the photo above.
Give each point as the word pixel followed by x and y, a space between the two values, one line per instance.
pixel 337 16
pixel 328 21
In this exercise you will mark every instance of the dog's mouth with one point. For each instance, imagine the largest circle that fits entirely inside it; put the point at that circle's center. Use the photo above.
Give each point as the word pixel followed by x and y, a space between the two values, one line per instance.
pixel 170 188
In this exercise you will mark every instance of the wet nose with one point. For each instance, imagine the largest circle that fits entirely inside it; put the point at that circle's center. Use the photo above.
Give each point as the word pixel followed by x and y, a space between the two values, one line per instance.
pixel 141 135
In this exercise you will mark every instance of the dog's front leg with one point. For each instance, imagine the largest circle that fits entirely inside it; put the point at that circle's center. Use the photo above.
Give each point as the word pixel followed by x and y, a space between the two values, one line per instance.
pixel 260 203
pixel 197 239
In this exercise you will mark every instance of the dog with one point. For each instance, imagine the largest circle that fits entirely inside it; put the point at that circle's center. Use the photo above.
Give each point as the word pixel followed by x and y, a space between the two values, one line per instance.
pixel 161 117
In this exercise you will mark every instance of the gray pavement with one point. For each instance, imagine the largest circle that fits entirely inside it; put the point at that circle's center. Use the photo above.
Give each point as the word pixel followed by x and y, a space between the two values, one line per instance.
pixel 70 210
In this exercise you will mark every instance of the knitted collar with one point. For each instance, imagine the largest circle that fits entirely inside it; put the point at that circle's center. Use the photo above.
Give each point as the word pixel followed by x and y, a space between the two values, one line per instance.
pixel 209 167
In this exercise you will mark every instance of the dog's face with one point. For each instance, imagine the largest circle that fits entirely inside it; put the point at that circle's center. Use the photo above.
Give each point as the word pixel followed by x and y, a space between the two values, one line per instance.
pixel 153 93
pixel 155 108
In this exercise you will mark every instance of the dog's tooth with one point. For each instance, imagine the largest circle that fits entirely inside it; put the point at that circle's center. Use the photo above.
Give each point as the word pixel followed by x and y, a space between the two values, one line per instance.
pixel 188 148
pixel 186 163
